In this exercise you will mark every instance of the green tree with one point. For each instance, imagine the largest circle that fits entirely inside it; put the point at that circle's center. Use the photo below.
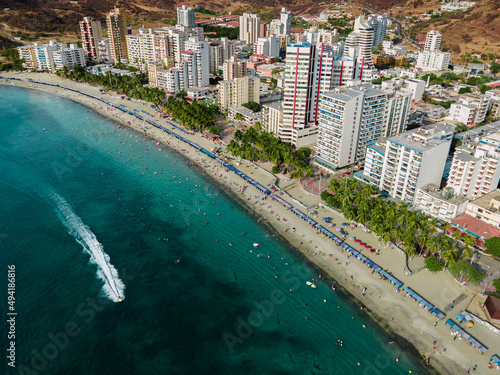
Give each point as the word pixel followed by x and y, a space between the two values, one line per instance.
pixel 469 271
pixel 255 107
pixel 493 246
pixel 433 265
pixel 496 284
pixel 464 90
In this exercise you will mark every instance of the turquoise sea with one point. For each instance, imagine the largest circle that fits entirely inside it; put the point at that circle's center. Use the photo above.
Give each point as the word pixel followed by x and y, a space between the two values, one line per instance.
pixel 91 214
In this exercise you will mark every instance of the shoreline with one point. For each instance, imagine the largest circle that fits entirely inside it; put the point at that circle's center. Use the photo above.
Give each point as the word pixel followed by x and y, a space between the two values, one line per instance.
pixel 441 363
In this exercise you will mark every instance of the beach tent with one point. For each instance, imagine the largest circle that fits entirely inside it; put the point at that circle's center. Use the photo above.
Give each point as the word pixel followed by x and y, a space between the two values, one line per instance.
pixel 496 359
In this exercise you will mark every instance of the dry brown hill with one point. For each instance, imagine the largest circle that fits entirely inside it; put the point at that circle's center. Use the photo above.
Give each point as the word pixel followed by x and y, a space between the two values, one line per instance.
pixel 476 30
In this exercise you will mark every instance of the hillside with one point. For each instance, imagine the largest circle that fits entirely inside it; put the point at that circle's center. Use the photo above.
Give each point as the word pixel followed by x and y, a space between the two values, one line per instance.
pixel 473 31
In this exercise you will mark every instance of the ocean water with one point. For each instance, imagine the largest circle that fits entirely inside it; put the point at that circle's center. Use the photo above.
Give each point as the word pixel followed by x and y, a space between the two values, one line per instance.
pixel 91 214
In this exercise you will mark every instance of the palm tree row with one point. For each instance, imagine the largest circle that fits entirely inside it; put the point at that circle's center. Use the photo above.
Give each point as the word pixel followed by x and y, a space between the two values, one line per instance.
pixel 192 114
pixel 132 86
pixel 254 145
pixel 393 222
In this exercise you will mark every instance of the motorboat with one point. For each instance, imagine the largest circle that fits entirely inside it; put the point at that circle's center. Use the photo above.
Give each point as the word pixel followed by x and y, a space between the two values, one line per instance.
pixel 255 244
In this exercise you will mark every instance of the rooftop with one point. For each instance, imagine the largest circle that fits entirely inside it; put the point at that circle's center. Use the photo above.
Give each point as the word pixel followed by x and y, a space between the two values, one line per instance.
pixel 476 226
pixel 485 200
pixel 444 194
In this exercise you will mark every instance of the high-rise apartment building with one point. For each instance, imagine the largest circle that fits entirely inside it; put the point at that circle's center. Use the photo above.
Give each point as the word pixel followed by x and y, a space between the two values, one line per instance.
pixel 379 25
pixel 348 119
pixel 185 16
pixel 147 48
pixel 117 32
pixel 52 56
pixel 249 28
pixel 267 46
pixel 234 68
pixel 239 91
pixel 433 41
pixel 200 48
pixel 401 164
pixel 475 167
pixel 286 21
pixel 91 33
pixel 470 109
pixel 361 37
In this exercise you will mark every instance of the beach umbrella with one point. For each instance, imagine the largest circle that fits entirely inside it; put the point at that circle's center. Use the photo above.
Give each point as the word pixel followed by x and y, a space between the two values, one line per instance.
pixel 330 224
pixel 345 224
pixel 372 250
pixel 356 240
pixel 338 229
pixel 353 225
pixel 367 246
pixel 323 218
pixel 362 243
pixel 331 255
pixel 352 238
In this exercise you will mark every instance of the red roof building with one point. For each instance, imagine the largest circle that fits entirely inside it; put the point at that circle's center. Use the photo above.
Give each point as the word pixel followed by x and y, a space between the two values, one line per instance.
pixel 492 307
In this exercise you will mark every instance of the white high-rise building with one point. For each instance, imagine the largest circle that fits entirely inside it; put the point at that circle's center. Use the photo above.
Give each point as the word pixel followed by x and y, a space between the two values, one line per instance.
pixel 249 28
pixel 433 60
pixel 361 37
pixel 314 68
pixel 104 50
pixel 202 77
pixel 470 109
pixel 117 31
pixel 398 107
pixel 69 57
pixel 214 57
pixel 286 21
pixel 267 46
pixel 433 41
pixel 91 33
pixel 348 119
pixel 52 56
pixel 475 167
pixel 185 16
pixel 379 25
pixel 401 164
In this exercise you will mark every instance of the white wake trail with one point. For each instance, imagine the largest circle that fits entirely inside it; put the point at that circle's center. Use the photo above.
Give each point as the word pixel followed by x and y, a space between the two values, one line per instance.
pixel 113 288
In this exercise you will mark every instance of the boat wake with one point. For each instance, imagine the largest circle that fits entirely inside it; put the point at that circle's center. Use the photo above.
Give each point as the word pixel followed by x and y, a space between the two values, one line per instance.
pixel 113 288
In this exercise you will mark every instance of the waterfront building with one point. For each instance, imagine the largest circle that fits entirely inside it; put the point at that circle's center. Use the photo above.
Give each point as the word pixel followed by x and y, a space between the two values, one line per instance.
pixel 408 160
pixel 238 91
pixel 349 118
pixel 475 167
pixel 379 25
pixel 470 109
pixel 273 115
pixel 439 203
pixel 117 32
pixel 91 33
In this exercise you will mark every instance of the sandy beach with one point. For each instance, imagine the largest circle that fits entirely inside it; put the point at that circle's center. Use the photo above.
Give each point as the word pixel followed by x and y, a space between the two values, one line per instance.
pixel 396 313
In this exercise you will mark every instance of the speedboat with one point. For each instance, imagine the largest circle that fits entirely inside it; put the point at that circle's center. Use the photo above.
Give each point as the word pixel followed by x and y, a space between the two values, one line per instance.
pixel 120 299
pixel 313 285
pixel 309 283
pixel 333 287
pixel 255 244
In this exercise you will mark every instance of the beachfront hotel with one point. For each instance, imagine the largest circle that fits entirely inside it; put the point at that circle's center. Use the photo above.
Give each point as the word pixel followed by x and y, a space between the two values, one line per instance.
pixel 348 119
pixel 475 169
pixel 401 164
pixel 52 56
pixel 117 32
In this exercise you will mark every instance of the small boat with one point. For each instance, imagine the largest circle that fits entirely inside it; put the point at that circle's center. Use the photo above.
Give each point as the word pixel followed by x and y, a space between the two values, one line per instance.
pixel 333 287
pixel 119 298
pixel 313 286
pixel 309 283
pixel 255 244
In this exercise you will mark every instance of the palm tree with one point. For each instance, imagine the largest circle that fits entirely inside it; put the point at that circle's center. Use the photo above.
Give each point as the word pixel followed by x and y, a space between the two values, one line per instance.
pixel 423 239
pixel 349 212
pixel 457 236
pixel 434 244
pixel 397 234
pixel 468 253
pixel 367 190
pixel 449 255
pixel 334 185
pixel 346 197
